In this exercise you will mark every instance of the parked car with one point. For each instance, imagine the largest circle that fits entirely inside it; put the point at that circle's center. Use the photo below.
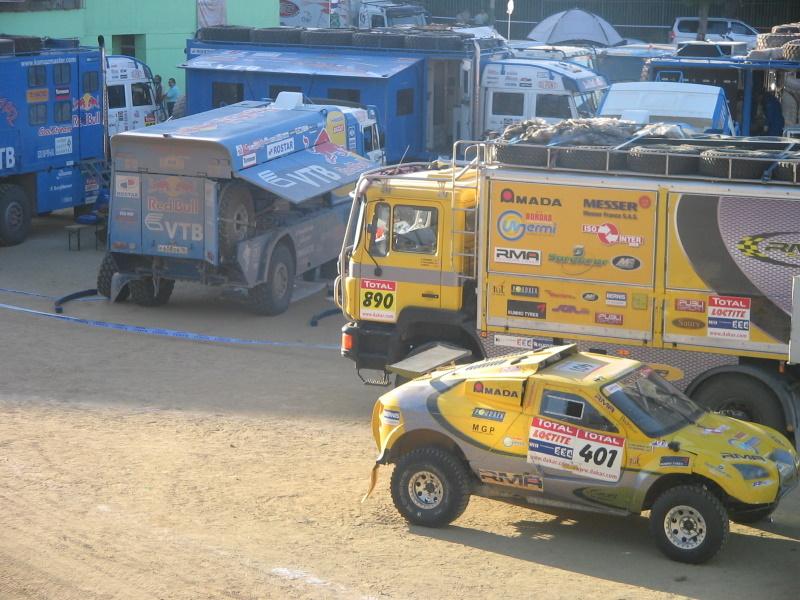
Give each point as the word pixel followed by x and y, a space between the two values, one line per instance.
pixel 685 29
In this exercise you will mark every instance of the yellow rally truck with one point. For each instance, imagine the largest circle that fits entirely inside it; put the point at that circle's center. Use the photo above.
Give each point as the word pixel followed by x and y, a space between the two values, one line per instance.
pixel 691 273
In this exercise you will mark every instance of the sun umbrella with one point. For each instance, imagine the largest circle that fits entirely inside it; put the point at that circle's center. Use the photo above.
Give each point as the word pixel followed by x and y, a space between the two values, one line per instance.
pixel 575 26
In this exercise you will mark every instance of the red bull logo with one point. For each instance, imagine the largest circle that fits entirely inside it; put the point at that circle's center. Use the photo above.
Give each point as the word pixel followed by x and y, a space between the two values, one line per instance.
pixel 86 102
pixel 328 150
pixel 9 110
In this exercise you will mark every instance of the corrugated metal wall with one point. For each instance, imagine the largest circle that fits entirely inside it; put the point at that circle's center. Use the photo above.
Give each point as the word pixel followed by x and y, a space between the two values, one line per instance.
pixel 646 19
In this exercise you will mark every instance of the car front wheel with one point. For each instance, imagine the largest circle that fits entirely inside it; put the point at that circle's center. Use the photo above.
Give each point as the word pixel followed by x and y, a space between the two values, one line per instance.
pixel 689 523
pixel 430 487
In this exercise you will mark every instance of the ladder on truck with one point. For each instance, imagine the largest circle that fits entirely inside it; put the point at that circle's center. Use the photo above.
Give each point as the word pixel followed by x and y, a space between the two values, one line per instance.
pixel 468 252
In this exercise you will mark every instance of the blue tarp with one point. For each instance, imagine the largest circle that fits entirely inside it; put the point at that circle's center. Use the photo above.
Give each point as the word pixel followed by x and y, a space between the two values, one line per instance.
pixel 302 63
pixel 308 173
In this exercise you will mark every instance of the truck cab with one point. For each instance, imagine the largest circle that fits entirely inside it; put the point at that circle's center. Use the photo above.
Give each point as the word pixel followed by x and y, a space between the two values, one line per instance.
pixel 518 89
pixel 131 95
pixel 385 13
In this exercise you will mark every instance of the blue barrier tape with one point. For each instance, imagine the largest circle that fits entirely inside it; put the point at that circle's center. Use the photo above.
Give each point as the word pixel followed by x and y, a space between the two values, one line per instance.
pixel 169 333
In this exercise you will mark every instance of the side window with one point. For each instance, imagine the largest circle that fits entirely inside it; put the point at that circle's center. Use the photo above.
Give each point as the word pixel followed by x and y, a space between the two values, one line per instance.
pixel 223 94
pixel 344 94
pixel 63 111
pixel 140 94
pixel 116 96
pixel 573 409
pixel 91 82
pixel 377 21
pixel 718 27
pixel 61 74
pixel 740 28
pixel 37 114
pixel 688 26
pixel 553 106
pixel 37 76
pixel 415 229
pixel 378 230
pixel 405 101
pixel 508 103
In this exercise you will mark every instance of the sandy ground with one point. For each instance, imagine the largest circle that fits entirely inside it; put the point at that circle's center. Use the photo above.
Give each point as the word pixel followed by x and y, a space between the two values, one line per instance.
pixel 140 467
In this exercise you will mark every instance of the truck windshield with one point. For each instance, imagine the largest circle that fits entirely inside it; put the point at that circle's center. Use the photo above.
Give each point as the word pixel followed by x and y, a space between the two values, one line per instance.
pixel 587 103
pixel 396 18
pixel 654 405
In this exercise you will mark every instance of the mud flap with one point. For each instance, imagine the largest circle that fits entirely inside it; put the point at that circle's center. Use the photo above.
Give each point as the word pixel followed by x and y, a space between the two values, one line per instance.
pixel 373 479
pixel 118 283
pixel 427 360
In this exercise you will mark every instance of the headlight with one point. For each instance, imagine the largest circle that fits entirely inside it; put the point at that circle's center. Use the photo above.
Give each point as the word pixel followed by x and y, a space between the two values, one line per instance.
pixel 752 471
pixel 782 456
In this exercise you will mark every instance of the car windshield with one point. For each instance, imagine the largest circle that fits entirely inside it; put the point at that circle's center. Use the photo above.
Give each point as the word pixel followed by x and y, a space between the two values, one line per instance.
pixel 654 405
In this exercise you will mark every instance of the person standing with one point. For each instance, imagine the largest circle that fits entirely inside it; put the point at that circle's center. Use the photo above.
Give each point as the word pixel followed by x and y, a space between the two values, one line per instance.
pixel 172 95
pixel 159 89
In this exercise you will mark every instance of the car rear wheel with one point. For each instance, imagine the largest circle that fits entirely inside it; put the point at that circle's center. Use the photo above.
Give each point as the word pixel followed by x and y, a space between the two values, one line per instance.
pixel 430 487
pixel 689 523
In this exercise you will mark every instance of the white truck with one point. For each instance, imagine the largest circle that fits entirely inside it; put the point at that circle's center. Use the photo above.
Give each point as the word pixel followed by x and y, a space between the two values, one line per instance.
pixel 363 14
pixel 131 95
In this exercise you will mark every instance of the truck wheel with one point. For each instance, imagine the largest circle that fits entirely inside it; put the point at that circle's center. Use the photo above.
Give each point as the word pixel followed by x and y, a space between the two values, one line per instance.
pixel 327 37
pixel 748 517
pixel 143 291
pixel 224 33
pixel 15 215
pixel 526 155
pixel 684 159
pixel 236 219
pixel 689 523
pixel 107 269
pixel 430 487
pixel 378 39
pixel 586 158
pixel 775 40
pixel 741 397
pixel 273 296
pixel 746 164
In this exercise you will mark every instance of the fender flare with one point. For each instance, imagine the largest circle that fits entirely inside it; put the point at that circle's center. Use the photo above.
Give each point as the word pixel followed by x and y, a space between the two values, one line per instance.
pixel 416 316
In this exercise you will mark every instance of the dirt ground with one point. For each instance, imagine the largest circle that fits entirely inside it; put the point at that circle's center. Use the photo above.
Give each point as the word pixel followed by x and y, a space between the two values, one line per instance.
pixel 140 467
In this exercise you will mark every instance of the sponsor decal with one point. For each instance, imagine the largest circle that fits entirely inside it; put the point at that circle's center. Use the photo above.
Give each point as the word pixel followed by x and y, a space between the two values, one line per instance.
pixel 508 196
pixel 668 372
pixel 626 263
pixel 480 388
pixel 125 215
pixel 610 209
pixel 530 291
pixel 248 160
pixel 604 318
pixel 63 145
pixel 498 290
pixel 728 317
pixel 390 417
pixel 127 186
pixel 177 206
pixel 590 297
pixel 188 231
pixel 172 249
pixel 577 367
pixel 737 456
pixel 577 258
pixel 762 482
pixel 639 301
pixel 8 157
pixel 526 309
pixel 525 481
pixel 378 300
pixel 9 109
pixel 518 341
pixel 518 256
pixel 616 299
pixel 37 95
pixel 777 248
pixel 277 149
pixel 570 309
pixel 62 93
pixel 86 102
pixel 313 175
pixel 485 413
pixel 687 323
pixel 512 226
pixel 674 461
pixel 512 442
pixel 690 305
pixel 54 130
pixel 575 450
pixel 748 445
pixel 553 294
pixel 609 235
pixel 484 429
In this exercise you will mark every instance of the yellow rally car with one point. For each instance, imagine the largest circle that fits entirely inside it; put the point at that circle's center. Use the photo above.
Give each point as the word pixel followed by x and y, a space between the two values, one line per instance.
pixel 587 431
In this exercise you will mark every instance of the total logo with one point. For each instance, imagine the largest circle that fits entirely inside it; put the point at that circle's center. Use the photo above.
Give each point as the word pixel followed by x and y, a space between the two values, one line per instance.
pixel 609 234
pixel 512 226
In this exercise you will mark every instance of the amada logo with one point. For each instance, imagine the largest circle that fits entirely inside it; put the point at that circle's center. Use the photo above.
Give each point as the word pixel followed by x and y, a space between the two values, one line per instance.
pixel 518 256
pixel 479 388
pixel 512 226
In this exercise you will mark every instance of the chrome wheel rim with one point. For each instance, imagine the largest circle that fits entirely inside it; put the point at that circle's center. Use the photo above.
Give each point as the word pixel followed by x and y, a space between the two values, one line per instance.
pixel 280 280
pixel 425 490
pixel 685 527
pixel 241 223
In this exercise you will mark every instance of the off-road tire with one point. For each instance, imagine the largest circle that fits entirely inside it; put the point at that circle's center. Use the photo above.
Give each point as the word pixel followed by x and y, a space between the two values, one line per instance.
pixel 685 160
pixel 526 155
pixel 6 46
pixel 104 276
pixel 752 516
pixel 274 295
pixel 15 214
pixel 434 41
pixel 277 35
pixel 791 50
pixel 787 28
pixel 450 472
pixel 378 39
pixel 224 33
pixel 702 502
pixel 327 37
pixel 237 220
pixel 788 170
pixel 143 291
pixel 587 158
pixel 775 40
pixel 26 43
pixel 750 399
pixel 747 164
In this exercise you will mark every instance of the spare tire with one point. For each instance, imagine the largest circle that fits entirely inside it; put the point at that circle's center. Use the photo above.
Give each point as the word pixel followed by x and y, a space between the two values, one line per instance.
pixel 237 220
pixel 224 33
pixel 588 158
pixel 6 46
pixel 683 159
pixel 741 164
pixel 25 43
pixel 376 39
pixel 526 155
pixel 434 41
pixel 327 37
pixel 787 28
pixel 775 40
pixel 277 35
pixel 788 170
pixel 791 50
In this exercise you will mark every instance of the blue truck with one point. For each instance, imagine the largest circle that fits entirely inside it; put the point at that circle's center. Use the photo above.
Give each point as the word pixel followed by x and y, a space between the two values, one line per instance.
pixel 245 196
pixel 52 133
pixel 430 87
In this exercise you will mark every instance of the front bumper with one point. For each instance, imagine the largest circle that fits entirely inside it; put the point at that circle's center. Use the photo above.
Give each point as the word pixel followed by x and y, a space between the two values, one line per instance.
pixel 370 347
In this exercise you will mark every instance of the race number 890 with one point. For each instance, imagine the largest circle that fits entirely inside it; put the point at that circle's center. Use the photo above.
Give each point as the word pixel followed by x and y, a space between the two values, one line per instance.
pixel 383 300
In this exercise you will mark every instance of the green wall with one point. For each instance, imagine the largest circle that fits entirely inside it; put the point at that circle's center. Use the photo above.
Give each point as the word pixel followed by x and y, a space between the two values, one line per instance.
pixel 163 24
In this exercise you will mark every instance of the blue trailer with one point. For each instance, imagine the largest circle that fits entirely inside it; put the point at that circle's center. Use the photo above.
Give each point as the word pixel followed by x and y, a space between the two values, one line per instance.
pixel 52 133
pixel 244 196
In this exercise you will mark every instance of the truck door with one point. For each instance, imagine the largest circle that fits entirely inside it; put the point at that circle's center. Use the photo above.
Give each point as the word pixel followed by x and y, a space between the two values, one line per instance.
pixel 87 113
pixel 505 107
pixel 401 264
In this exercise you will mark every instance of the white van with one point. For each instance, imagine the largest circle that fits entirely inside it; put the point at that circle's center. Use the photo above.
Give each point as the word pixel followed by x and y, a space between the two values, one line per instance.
pixel 702 107
pixel 131 95
pixel 516 89
pixel 685 30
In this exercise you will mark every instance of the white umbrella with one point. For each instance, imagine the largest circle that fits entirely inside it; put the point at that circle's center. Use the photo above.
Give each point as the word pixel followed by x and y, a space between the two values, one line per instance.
pixel 575 26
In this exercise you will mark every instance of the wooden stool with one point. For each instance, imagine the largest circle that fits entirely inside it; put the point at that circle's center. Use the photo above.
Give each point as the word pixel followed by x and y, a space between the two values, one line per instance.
pixel 74 233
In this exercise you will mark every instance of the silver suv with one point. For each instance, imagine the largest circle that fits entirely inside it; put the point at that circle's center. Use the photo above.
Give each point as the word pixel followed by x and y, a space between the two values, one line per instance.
pixel 685 30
